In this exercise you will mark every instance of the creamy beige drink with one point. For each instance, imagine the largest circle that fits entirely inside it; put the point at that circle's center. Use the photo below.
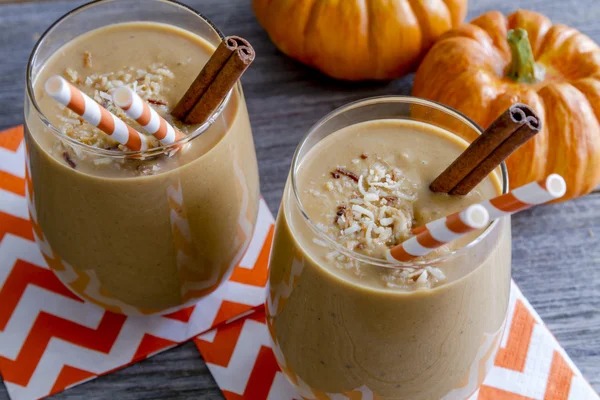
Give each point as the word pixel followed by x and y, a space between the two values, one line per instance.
pixel 142 233
pixel 344 320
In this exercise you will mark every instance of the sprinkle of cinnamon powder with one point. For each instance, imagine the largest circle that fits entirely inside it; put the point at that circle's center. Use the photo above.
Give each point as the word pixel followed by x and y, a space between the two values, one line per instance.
pixel 347 173
pixel 68 159
pixel 157 102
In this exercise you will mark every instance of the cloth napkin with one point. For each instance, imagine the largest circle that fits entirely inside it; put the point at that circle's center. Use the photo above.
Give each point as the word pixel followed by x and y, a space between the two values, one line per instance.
pixel 51 340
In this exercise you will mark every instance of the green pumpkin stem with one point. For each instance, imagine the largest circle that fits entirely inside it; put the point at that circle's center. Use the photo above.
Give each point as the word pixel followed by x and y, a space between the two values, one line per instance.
pixel 523 68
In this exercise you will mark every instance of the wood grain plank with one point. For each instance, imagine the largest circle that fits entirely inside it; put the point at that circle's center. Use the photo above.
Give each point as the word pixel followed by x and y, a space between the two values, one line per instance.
pixel 556 253
pixel 4 2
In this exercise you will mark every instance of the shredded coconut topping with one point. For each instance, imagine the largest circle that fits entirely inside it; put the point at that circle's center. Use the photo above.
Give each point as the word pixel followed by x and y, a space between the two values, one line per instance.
pixel 375 212
pixel 378 212
pixel 411 277
pixel 148 83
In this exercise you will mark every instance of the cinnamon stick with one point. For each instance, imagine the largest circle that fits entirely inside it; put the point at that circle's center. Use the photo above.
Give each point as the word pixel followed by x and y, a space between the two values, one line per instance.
pixel 518 138
pixel 233 69
pixel 507 133
pixel 208 75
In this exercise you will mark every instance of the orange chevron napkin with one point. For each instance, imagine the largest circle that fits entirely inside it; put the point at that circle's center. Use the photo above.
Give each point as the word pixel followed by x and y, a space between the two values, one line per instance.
pixel 51 340
pixel 530 364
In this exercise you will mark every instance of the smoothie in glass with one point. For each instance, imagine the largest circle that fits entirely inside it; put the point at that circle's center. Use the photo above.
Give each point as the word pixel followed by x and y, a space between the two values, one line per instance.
pixel 343 319
pixel 137 232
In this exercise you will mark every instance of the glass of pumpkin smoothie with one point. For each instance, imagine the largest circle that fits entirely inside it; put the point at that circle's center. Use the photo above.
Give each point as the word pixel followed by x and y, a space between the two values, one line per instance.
pixel 343 319
pixel 137 232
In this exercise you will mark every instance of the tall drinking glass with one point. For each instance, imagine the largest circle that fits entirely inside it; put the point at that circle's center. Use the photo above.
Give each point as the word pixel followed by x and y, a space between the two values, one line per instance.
pixel 335 333
pixel 137 232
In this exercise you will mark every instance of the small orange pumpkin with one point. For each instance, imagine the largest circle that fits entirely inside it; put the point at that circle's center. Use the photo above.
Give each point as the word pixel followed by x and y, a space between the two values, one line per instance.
pixel 483 67
pixel 358 39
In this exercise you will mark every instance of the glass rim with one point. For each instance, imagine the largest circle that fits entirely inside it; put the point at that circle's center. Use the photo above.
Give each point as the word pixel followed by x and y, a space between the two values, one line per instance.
pixel 141 154
pixel 373 260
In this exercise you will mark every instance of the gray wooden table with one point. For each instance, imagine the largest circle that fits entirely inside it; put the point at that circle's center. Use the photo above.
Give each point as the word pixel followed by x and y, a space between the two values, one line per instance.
pixel 284 100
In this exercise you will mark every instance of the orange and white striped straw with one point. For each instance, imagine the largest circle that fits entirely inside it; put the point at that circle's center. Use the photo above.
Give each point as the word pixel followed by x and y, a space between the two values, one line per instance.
pixel 68 95
pixel 529 195
pixel 137 109
pixel 440 232
pixel 521 198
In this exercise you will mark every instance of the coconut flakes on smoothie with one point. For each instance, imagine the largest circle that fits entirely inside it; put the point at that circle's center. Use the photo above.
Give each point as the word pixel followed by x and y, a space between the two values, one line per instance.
pixel 87 59
pixel 375 206
pixel 148 82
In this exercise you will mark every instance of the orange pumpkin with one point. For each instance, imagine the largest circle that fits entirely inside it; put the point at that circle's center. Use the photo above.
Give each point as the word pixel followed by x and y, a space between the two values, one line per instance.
pixel 358 39
pixel 482 67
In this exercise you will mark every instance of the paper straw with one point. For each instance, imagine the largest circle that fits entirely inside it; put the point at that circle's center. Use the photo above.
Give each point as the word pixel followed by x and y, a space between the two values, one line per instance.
pixel 440 232
pixel 137 109
pixel 521 198
pixel 77 101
